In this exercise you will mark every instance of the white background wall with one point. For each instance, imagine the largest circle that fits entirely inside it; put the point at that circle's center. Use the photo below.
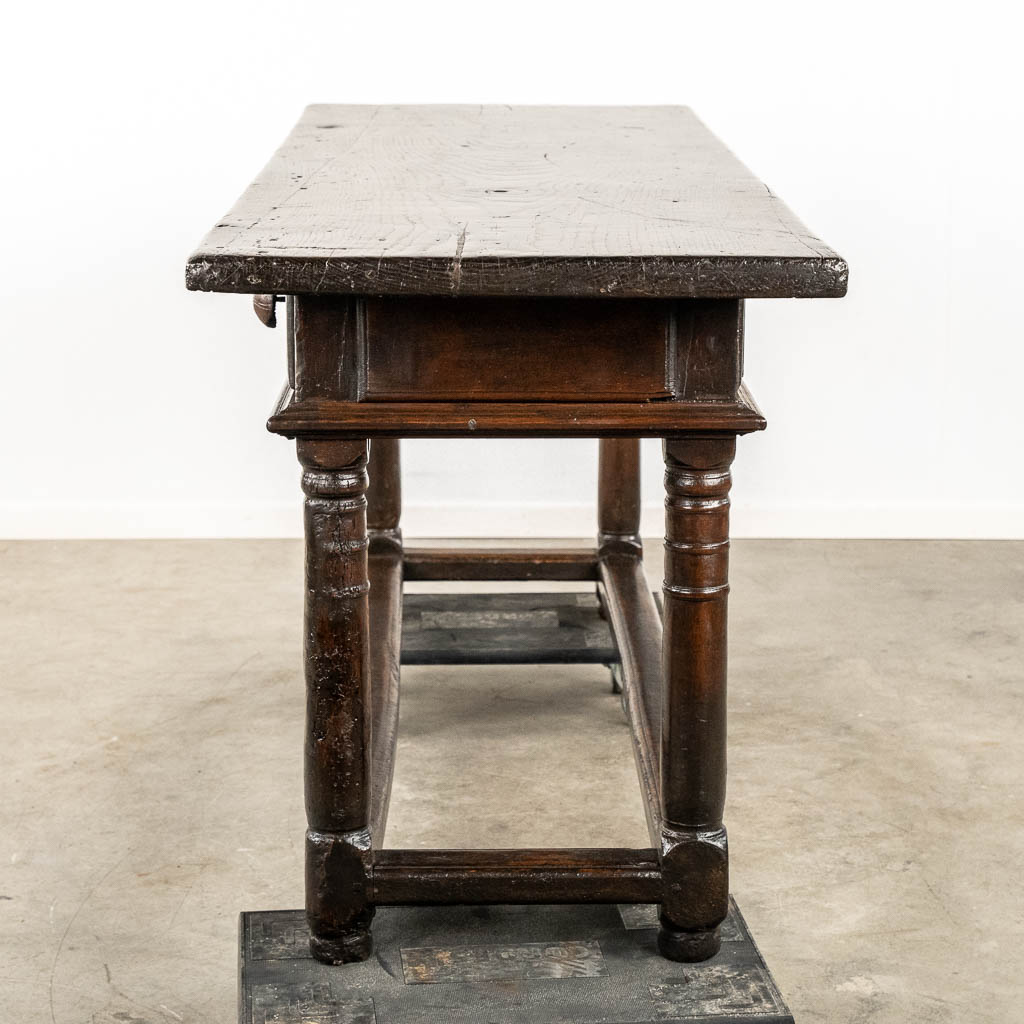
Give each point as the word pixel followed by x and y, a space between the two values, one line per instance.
pixel 133 408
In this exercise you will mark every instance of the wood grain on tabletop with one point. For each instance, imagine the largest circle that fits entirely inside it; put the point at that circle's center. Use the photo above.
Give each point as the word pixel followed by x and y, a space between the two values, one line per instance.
pixel 496 200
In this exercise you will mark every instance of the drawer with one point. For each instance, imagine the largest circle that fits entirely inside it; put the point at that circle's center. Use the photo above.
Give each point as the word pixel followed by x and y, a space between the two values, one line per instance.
pixel 436 349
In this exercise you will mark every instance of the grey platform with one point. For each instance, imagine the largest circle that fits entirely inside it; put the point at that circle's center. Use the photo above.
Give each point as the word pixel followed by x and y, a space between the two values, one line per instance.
pixel 505 629
pixel 485 965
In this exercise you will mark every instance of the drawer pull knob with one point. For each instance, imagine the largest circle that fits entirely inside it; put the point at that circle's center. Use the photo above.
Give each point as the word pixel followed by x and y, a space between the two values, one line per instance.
pixel 266 308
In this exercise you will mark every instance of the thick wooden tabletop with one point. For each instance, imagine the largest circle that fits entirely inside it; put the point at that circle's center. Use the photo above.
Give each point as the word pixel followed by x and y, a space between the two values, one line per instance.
pixel 460 200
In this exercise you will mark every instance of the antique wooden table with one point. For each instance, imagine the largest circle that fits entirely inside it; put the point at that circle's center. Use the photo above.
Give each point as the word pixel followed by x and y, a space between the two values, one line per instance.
pixel 514 272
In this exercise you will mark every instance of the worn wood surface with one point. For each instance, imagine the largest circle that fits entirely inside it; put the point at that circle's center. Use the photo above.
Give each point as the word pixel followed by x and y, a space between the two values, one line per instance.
pixel 497 200
pixel 706 356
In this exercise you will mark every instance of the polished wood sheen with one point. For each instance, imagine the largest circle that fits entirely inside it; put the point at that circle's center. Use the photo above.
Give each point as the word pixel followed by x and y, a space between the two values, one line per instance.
pixel 512 419
pixel 513 272
pixel 338 730
pixel 618 494
pixel 410 877
pixel 693 760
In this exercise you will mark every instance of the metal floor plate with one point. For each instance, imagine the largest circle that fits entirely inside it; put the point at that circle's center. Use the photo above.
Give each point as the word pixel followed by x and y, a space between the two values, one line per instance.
pixel 505 629
pixel 521 965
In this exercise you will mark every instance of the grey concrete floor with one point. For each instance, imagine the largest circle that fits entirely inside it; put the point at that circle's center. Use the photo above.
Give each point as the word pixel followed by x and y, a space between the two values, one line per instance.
pixel 150 739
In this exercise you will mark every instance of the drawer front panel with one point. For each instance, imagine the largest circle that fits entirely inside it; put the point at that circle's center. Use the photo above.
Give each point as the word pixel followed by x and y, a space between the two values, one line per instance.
pixel 438 349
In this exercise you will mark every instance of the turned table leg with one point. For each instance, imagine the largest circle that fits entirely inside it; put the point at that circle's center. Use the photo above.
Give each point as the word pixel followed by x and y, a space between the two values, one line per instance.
pixel 337 753
pixel 695 861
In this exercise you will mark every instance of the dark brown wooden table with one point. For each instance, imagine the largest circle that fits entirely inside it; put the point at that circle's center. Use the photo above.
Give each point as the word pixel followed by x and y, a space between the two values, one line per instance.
pixel 514 272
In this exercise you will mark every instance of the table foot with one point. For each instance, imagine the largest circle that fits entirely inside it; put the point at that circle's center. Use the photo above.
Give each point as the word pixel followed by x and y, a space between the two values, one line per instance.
pixel 346 949
pixel 688 947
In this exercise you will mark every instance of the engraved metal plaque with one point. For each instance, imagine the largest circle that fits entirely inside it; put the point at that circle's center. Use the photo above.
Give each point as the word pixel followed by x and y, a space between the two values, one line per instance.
pixel 282 936
pixel 718 990
pixel 308 1003
pixel 540 618
pixel 524 962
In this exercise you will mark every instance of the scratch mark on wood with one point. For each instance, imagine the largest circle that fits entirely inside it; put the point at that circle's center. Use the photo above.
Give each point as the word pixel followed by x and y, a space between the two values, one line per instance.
pixel 457 265
pixel 334 210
